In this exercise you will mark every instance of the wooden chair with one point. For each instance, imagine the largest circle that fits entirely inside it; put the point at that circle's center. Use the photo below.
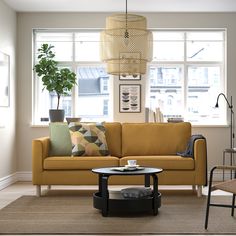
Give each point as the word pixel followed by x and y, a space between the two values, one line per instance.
pixel 228 186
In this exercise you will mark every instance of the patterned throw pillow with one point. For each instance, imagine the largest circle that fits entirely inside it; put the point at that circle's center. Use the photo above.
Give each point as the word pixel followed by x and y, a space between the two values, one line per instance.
pixel 88 139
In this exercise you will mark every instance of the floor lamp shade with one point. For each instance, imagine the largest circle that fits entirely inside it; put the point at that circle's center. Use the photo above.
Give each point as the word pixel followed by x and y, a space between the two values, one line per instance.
pixel 126 44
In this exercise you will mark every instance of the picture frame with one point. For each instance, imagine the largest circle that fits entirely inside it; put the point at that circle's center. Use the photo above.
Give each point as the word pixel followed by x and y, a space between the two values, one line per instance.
pixel 130 98
pixel 4 80
pixel 129 78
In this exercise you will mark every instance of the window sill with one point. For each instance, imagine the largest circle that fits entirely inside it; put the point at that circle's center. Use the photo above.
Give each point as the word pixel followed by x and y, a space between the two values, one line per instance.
pixel 39 125
pixel 193 126
pixel 210 126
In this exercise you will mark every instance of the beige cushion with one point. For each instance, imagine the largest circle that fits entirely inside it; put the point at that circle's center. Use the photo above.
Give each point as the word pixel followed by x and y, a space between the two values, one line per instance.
pixel 164 162
pixel 79 163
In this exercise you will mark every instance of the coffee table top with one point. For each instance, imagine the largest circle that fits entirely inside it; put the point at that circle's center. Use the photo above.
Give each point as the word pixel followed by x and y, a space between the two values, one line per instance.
pixel 109 171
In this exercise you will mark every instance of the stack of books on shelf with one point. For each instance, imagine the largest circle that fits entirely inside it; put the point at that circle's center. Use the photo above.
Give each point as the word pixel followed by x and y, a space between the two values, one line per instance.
pixel 175 119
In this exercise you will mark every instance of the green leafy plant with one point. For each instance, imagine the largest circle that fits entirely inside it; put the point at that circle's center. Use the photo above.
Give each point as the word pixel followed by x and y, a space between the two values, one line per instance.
pixel 60 81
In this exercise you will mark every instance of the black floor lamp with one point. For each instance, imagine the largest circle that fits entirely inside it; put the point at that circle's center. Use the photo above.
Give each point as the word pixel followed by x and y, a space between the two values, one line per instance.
pixel 230 106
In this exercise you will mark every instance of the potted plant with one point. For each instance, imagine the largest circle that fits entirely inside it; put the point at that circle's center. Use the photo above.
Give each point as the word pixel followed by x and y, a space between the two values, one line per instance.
pixel 60 81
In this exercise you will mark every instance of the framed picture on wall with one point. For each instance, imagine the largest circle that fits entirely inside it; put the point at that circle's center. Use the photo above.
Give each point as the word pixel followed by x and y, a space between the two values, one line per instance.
pixel 129 77
pixel 4 80
pixel 130 98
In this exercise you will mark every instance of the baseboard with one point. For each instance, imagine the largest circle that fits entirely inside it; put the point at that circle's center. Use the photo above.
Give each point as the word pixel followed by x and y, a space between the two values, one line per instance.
pixel 24 176
pixel 11 179
pixel 8 180
pixel 27 176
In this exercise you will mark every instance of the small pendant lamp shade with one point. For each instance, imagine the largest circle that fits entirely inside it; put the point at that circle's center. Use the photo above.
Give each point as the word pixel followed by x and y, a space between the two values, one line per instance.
pixel 126 44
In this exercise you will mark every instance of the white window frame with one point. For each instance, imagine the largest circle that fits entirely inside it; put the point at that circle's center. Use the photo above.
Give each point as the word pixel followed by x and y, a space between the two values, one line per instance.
pixel 185 64
pixel 73 65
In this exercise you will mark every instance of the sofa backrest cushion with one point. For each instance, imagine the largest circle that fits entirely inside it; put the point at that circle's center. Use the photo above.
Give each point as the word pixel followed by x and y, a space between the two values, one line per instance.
pixel 113 137
pixel 154 138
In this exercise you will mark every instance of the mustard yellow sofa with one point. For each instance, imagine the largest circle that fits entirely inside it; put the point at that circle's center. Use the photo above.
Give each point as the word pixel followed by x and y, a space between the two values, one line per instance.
pixel 151 144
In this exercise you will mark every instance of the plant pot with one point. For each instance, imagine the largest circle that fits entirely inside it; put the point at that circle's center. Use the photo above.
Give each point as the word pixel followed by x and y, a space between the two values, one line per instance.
pixel 56 115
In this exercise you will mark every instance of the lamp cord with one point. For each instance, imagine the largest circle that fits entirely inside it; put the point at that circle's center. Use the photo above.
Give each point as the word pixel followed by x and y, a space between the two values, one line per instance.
pixel 126 21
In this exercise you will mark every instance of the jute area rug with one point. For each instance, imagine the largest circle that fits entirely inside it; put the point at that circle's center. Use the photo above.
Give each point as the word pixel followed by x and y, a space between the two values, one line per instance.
pixel 74 214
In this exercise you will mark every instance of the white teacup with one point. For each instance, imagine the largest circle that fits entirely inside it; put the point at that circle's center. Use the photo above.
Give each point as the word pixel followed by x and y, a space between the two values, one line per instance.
pixel 132 162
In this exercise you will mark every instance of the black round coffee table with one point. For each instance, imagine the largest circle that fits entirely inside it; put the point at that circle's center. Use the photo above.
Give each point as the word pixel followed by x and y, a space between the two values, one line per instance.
pixel 103 202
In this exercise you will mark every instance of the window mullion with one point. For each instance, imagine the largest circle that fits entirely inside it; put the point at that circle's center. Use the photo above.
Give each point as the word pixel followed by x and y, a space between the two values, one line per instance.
pixel 74 94
pixel 185 77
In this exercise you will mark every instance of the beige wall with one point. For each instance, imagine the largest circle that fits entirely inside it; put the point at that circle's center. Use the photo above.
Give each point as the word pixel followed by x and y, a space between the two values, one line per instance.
pixel 7 114
pixel 217 138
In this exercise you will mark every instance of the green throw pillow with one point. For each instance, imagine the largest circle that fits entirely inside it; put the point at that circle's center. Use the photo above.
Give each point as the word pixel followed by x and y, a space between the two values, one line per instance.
pixel 60 141
pixel 88 139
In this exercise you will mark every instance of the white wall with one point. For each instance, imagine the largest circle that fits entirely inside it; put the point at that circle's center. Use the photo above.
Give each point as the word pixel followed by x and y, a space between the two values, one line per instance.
pixel 8 114
pixel 217 138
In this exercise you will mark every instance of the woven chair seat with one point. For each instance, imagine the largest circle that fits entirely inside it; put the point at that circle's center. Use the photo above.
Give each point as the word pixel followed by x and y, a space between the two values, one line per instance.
pixel 228 186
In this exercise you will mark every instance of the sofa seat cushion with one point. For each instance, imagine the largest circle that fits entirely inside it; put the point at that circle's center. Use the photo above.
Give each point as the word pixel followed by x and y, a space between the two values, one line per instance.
pixel 79 163
pixel 164 162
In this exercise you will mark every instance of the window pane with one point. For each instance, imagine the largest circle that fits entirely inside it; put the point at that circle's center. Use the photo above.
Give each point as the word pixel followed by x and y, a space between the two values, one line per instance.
pixel 204 51
pixel 63 50
pixel 93 96
pixel 49 101
pixel 168 36
pixel 166 90
pixel 168 46
pixel 87 46
pixel 196 94
pixel 54 37
pixel 65 103
pixel 62 43
pixel 168 51
pixel 213 36
pixel 203 88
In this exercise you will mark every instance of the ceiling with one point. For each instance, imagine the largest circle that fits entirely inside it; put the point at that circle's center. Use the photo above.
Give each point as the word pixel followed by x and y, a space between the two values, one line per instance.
pixel 119 5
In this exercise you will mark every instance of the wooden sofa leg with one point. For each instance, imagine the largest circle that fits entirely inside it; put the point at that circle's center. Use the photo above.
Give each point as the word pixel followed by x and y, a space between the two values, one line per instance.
pixel 199 190
pixel 38 190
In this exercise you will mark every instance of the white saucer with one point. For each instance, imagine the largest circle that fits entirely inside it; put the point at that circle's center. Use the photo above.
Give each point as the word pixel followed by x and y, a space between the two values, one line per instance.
pixel 131 166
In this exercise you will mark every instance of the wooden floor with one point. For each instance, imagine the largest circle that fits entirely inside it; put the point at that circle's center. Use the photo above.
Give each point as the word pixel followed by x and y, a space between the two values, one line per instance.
pixel 18 189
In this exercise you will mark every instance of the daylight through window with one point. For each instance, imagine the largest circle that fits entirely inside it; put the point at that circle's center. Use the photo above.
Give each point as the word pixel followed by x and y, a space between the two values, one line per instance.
pixel 78 51
pixel 187 74
pixel 185 77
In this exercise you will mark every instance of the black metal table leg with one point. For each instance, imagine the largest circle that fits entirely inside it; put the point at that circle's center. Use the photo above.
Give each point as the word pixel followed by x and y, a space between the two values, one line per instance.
pixel 231 163
pixel 223 165
pixel 147 180
pixel 100 183
pixel 105 195
pixel 155 194
pixel 209 197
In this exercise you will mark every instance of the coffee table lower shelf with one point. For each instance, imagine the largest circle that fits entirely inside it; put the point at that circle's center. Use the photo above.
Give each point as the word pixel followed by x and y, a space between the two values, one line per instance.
pixel 117 203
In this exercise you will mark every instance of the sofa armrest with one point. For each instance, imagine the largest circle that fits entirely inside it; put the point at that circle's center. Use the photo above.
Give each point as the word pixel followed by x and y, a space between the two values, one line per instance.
pixel 40 150
pixel 200 157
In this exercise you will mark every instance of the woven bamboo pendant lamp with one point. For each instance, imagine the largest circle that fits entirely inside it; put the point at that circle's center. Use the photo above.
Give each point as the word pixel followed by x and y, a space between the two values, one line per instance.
pixel 126 44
